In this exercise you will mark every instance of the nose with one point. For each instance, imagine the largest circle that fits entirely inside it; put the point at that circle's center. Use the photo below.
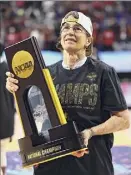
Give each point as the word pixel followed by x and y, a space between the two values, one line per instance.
pixel 71 30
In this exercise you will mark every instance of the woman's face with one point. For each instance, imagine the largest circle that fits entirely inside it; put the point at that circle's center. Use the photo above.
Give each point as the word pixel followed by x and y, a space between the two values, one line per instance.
pixel 73 37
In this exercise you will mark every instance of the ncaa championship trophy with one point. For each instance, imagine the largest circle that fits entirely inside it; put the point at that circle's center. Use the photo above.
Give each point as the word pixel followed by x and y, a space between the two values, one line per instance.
pixel 48 135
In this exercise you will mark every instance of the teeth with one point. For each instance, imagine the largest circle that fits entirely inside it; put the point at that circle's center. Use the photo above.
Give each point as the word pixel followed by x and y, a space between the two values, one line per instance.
pixel 70 40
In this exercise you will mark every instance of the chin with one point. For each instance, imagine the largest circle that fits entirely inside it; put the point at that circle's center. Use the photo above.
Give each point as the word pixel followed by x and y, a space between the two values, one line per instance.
pixel 70 49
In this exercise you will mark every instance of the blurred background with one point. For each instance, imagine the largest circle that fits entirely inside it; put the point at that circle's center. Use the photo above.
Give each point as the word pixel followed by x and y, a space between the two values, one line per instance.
pixel 112 44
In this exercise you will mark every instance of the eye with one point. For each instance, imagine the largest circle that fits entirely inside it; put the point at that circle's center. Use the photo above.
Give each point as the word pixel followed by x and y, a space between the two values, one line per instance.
pixel 78 29
pixel 65 28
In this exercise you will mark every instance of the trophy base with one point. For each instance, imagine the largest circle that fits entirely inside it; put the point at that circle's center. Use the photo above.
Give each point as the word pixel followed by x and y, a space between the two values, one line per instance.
pixel 65 140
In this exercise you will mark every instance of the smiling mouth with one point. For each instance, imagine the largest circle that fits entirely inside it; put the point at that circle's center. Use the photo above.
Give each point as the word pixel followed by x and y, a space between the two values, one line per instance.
pixel 72 40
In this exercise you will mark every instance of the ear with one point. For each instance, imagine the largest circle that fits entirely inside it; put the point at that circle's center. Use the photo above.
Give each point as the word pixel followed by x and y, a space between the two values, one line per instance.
pixel 89 41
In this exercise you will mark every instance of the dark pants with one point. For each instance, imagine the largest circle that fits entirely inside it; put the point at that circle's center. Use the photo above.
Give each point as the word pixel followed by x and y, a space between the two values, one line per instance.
pixel 97 162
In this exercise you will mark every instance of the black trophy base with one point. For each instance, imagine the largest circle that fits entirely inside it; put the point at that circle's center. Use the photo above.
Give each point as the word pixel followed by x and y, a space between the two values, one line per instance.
pixel 65 139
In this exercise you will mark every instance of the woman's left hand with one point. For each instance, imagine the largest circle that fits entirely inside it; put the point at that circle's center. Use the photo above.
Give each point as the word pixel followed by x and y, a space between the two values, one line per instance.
pixel 86 134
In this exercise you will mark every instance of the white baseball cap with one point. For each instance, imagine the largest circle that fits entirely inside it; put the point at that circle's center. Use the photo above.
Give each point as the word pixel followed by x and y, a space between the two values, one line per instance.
pixel 83 20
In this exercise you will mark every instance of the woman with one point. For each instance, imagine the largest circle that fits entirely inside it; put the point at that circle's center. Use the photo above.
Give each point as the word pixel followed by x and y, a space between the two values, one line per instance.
pixel 90 94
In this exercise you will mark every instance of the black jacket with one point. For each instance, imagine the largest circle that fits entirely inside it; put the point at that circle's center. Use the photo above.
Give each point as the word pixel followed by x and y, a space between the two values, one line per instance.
pixel 7 109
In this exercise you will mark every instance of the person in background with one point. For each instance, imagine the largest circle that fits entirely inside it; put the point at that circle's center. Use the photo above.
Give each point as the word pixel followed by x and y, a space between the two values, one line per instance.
pixel 90 94
pixel 7 111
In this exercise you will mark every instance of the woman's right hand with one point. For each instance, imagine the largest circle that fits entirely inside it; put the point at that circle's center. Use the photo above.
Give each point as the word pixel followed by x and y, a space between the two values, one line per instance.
pixel 11 82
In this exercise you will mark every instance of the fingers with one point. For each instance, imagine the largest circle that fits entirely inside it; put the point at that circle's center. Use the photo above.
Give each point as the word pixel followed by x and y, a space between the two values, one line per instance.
pixel 10 78
pixel 9 74
pixel 80 153
pixel 11 82
pixel 11 87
